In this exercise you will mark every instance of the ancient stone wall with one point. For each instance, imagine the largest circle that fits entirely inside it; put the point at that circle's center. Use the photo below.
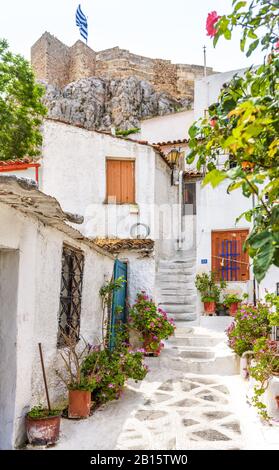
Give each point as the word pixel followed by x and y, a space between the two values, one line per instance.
pixel 59 64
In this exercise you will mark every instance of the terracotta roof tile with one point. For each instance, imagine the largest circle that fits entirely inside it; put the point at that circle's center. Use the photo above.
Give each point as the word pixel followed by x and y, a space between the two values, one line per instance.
pixel 18 161
pixel 172 142
pixel 115 245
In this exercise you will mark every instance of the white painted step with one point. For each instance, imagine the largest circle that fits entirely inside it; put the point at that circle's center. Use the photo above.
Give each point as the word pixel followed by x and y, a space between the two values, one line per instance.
pixel 178 308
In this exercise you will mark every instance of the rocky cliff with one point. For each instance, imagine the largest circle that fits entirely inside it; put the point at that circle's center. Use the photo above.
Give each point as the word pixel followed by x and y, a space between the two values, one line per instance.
pixel 98 103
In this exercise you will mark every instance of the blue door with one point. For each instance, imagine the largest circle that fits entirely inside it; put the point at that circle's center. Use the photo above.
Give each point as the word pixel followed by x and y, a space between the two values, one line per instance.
pixel 119 308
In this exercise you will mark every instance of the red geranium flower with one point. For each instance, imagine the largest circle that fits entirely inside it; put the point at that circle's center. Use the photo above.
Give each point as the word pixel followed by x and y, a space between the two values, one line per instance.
pixel 212 18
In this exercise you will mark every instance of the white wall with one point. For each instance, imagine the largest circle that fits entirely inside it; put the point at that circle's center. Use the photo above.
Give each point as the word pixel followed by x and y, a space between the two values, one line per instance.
pixel 141 273
pixel 40 252
pixel 74 171
pixel 207 90
pixel 8 328
pixel 166 128
pixel 167 215
pixel 217 210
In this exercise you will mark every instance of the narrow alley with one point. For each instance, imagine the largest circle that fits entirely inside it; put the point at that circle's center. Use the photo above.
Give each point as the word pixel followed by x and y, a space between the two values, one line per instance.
pixel 185 402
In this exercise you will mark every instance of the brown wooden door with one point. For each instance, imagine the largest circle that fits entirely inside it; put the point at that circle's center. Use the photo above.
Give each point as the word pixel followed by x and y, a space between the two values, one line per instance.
pixel 229 261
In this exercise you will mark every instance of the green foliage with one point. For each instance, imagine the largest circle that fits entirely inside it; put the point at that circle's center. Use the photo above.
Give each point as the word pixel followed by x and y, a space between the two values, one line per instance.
pixel 126 133
pixel 244 124
pixel 250 323
pixel 250 332
pixel 21 109
pixel 266 364
pixel 210 291
pixel 111 369
pixel 150 320
pixel 230 299
pixel 38 412
pixel 258 21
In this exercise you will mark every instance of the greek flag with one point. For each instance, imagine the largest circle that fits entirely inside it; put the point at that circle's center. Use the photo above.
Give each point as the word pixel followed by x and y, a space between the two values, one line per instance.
pixel 81 22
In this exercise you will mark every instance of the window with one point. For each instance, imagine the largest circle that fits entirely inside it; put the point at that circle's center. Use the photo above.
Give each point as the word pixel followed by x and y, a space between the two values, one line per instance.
pixel 70 295
pixel 189 198
pixel 120 181
pixel 229 261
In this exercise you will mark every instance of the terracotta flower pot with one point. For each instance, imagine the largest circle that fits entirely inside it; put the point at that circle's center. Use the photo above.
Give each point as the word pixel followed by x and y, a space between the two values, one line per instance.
pixel 233 309
pixel 147 340
pixel 43 431
pixel 79 404
pixel 209 307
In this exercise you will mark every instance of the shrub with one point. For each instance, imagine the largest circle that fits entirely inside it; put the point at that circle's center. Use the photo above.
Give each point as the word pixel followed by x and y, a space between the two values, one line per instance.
pixel 150 320
pixel 111 369
pixel 250 323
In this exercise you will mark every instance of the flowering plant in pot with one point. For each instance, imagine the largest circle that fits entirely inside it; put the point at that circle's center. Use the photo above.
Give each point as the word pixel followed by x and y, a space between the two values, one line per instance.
pixel 152 323
pixel 210 291
pixel 79 386
pixel 232 301
pixel 111 369
pixel 266 365
pixel 250 323
pixel 43 425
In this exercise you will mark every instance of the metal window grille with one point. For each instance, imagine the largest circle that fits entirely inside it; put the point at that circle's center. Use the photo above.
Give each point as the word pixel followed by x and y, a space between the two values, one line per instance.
pixel 230 255
pixel 70 294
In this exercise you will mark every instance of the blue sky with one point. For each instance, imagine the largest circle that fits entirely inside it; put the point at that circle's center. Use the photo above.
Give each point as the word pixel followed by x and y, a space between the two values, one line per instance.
pixel 169 29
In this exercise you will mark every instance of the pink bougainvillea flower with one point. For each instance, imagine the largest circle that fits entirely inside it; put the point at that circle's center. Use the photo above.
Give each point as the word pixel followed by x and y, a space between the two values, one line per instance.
pixel 211 20
pixel 276 46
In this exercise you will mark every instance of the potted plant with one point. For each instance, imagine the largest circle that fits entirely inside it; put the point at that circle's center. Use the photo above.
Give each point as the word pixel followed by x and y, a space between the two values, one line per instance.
pixel 232 301
pixel 43 426
pixel 111 368
pixel 79 386
pixel 152 323
pixel 209 290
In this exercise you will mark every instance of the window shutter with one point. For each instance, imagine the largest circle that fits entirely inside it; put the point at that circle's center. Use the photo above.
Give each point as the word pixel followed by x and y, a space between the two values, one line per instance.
pixel 120 181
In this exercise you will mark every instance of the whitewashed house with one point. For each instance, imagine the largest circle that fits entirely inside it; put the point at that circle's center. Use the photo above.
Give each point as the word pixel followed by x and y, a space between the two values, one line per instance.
pixel 39 252
pixel 126 191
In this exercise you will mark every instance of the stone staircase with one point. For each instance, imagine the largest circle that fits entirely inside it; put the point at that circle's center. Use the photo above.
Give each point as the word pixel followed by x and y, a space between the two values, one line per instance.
pixel 175 285
pixel 199 351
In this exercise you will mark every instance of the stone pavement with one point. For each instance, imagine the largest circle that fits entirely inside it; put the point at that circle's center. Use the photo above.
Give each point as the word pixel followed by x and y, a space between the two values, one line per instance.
pixel 175 407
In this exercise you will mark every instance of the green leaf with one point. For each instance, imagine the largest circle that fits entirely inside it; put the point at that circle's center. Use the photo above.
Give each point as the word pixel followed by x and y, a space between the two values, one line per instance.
pixel 239 5
pixel 227 34
pixel 214 177
pixel 252 35
pixel 260 239
pixel 193 131
pixel 252 47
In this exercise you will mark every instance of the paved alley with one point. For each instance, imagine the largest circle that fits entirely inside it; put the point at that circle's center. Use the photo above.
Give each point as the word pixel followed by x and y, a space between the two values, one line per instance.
pixel 178 405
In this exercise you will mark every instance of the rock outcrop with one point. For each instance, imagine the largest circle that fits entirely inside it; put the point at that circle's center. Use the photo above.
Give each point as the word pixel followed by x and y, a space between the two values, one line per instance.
pixel 98 103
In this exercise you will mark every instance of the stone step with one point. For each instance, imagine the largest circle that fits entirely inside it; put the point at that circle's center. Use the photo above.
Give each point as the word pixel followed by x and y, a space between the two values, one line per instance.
pixel 191 352
pixel 176 283
pixel 221 365
pixel 178 308
pixel 175 271
pixel 174 278
pixel 177 263
pixel 195 341
pixel 176 299
pixel 176 291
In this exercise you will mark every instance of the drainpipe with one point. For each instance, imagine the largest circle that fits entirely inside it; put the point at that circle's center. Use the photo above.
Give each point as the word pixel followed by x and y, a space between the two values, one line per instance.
pixel 180 194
